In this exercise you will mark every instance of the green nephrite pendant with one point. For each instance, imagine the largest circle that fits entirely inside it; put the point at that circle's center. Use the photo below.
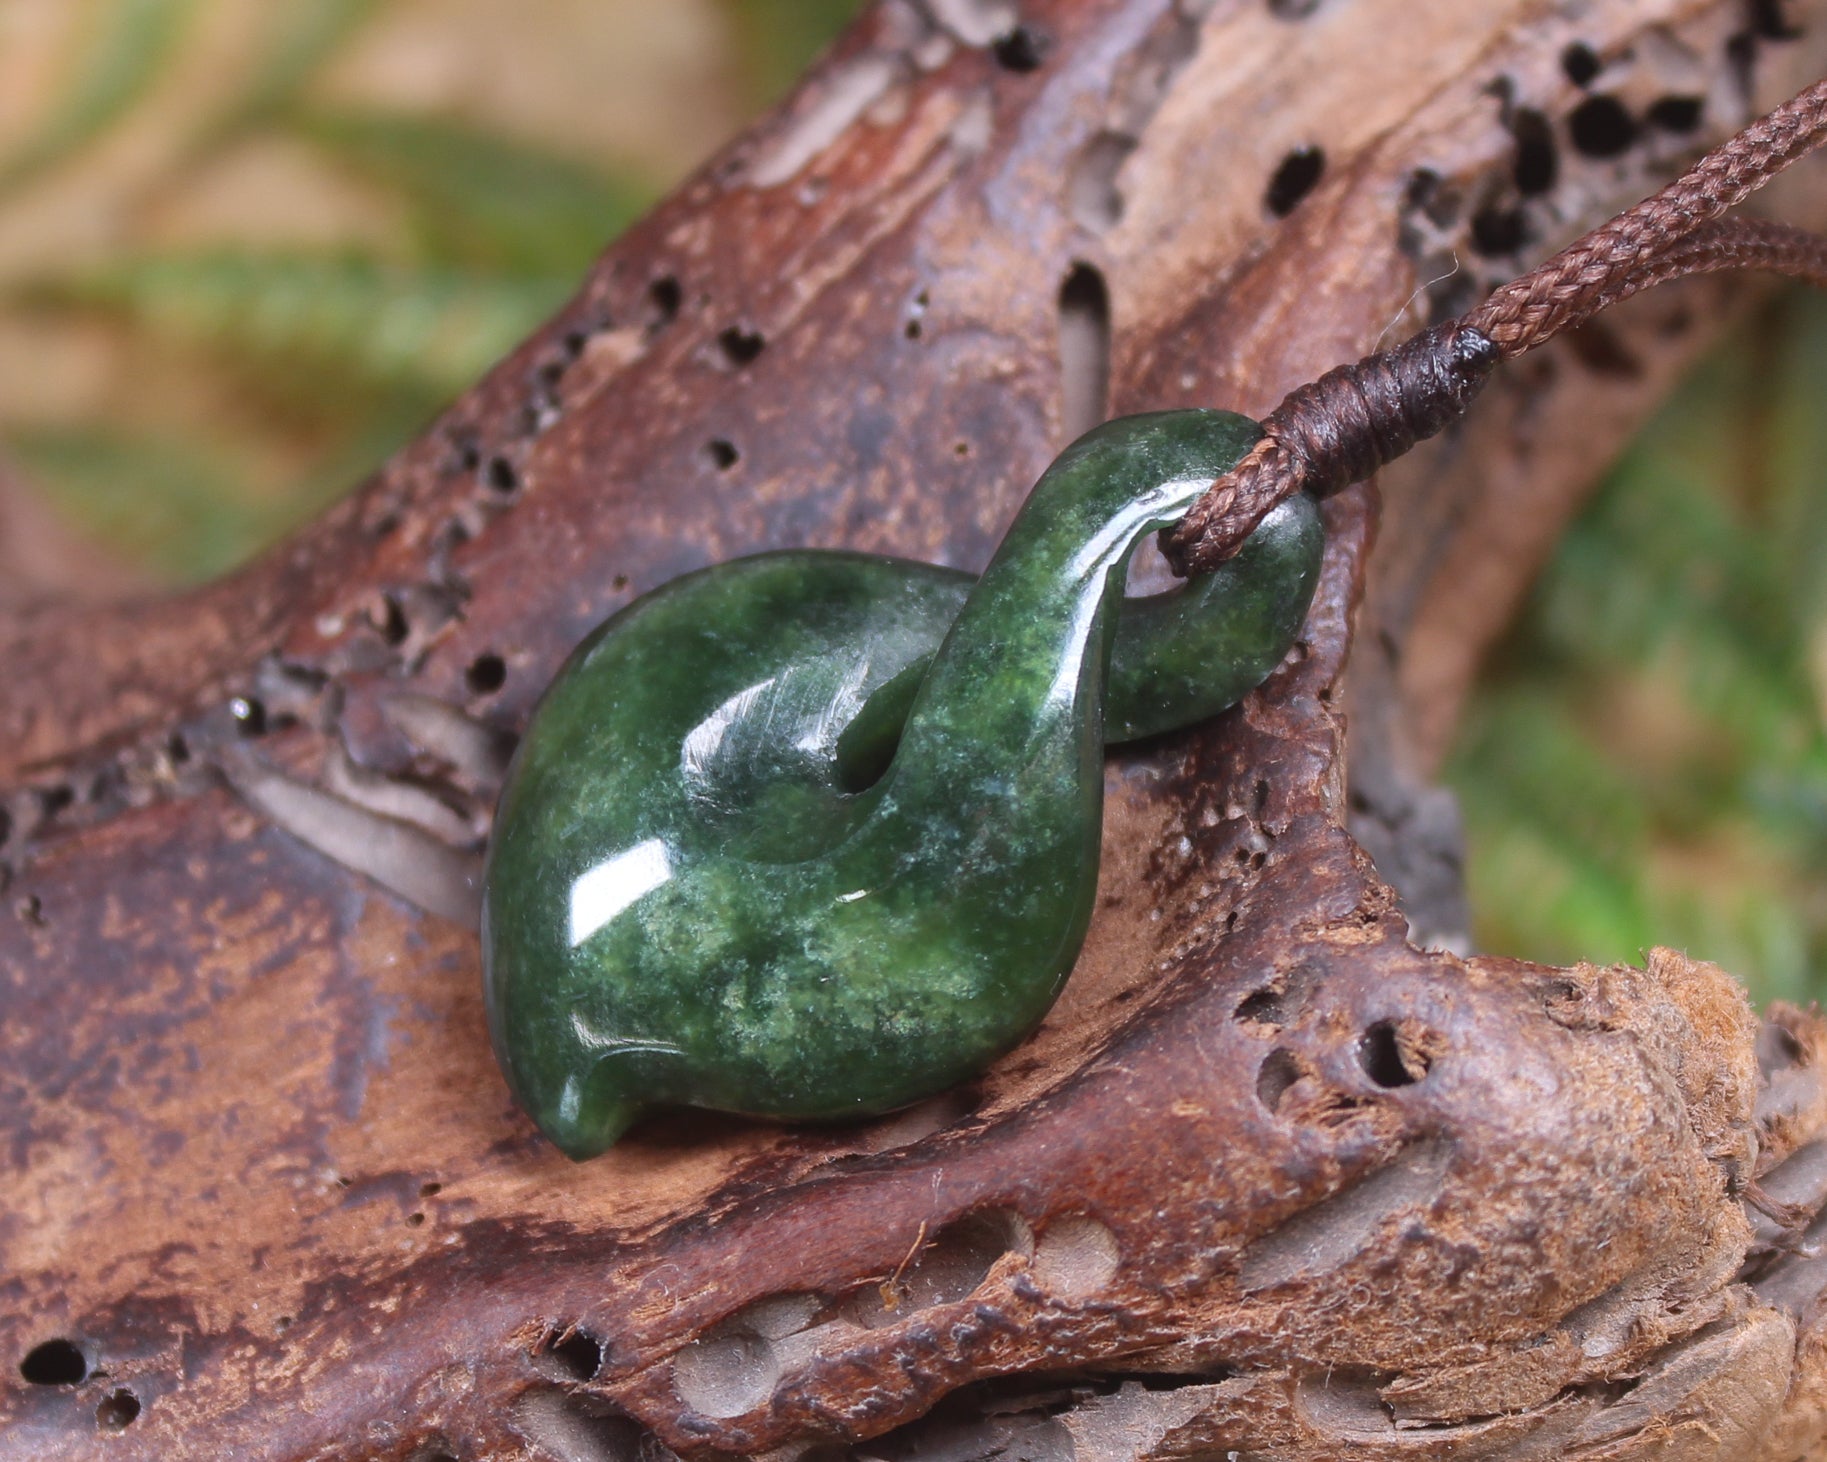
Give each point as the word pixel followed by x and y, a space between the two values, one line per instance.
pixel 815 835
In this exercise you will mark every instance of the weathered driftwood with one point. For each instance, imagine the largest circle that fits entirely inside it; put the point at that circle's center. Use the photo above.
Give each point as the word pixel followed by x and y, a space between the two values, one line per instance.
pixel 1271 1182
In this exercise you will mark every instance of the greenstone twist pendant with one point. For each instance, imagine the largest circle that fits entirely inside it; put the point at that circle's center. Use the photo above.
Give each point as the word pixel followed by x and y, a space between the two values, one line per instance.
pixel 815 835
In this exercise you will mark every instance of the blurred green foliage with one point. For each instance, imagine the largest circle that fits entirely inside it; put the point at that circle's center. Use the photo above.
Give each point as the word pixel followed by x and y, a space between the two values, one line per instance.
pixel 129 42
pixel 327 355
pixel 1645 762
pixel 776 38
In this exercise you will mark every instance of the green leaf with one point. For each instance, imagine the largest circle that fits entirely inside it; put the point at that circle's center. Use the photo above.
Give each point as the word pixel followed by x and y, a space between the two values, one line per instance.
pixel 130 41
pixel 303 35
pixel 480 200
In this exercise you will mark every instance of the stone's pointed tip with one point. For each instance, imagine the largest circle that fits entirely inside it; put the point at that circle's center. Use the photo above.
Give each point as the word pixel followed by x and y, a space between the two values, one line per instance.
pixel 594 1132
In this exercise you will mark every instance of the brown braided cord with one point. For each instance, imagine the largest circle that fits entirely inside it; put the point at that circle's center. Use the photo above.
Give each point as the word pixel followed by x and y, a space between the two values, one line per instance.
pixel 1731 243
pixel 1540 304
pixel 1357 418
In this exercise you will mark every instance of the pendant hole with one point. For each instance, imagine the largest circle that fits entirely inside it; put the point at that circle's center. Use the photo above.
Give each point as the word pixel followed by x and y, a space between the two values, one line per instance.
pixel 865 765
pixel 867 747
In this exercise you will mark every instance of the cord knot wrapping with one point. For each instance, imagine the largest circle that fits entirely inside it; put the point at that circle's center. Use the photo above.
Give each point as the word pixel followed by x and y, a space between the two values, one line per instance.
pixel 1335 431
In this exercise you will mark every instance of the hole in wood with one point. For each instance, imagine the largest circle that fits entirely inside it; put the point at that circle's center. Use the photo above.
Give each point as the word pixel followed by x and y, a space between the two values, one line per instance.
pixel 1679 114
pixel 1537 164
pixel 118 1410
pixel 55 1363
pixel 1022 49
pixel 1600 127
pixel 1580 63
pixel 1296 177
pixel 740 346
pixel 914 1124
pixel 1387 1059
pixel 664 296
pixel 1741 56
pixel 1279 1071
pixel 947 1266
pixel 1328 1235
pixel 568 1354
pixel 1091 188
pixel 1283 998
pixel 393 625
pixel 1778 1050
pixel 1084 349
pixel 1075 1255
pixel 249 714
pixel 726 1375
pixel 571 1428
pixel 486 674
pixel 723 455
pixel 1769 21
pixel 502 476
pixel 1499 230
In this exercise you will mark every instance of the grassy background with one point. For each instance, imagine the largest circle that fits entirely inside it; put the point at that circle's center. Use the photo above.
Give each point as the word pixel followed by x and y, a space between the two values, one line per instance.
pixel 1645 763
pixel 246 249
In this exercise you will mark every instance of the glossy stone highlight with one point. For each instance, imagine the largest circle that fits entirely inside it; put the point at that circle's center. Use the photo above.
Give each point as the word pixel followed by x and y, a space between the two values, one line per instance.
pixel 815 835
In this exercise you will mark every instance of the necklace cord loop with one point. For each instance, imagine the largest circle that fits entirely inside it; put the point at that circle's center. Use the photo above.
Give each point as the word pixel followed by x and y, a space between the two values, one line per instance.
pixel 1356 418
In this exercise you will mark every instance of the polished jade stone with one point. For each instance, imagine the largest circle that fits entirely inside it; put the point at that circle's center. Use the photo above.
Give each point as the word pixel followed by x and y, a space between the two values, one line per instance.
pixel 815 835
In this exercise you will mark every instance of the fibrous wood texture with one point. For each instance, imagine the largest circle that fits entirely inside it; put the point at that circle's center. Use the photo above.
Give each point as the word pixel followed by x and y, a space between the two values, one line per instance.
pixel 1272 1182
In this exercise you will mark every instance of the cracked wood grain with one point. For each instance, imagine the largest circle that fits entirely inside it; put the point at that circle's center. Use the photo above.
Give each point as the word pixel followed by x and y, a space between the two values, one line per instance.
pixel 1272 1180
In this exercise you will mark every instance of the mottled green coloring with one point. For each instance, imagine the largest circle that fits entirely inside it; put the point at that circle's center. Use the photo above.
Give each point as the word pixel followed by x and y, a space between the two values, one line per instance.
pixel 815 835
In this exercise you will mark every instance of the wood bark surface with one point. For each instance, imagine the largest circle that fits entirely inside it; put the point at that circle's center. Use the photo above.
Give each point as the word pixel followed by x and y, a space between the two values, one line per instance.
pixel 1273 1181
